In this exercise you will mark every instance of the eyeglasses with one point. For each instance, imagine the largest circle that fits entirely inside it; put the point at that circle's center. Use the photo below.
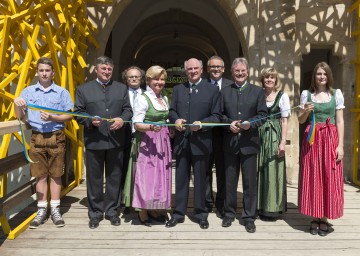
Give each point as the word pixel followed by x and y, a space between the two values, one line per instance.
pixel 216 67
pixel 134 77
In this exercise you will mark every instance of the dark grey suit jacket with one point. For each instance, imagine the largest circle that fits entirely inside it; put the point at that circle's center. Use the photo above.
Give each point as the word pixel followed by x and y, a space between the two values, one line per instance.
pixel 246 105
pixel 201 104
pixel 109 102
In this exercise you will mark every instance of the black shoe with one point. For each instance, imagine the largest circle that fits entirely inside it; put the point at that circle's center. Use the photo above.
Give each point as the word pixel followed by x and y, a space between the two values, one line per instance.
pixel 204 224
pixel 220 213
pixel 126 210
pixel 209 209
pixel 227 222
pixel 160 218
pixel 173 222
pixel 250 226
pixel 94 223
pixel 114 220
pixel 323 232
pixel 146 222
pixel 314 227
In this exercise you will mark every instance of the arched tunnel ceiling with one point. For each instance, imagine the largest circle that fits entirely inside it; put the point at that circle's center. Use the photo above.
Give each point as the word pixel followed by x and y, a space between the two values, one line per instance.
pixel 174 35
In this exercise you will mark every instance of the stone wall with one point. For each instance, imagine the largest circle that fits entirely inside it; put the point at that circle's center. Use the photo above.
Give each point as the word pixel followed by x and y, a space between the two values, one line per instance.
pixel 279 33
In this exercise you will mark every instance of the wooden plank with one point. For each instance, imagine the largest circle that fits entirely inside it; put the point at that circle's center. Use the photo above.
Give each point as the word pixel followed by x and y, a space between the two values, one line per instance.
pixel 288 236
pixel 17 196
pixel 179 251
pixel 176 244
pixel 12 162
pixel 12 126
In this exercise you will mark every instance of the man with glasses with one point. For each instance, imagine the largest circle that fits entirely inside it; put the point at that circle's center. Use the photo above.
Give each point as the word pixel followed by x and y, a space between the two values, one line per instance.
pixel 216 68
pixel 133 77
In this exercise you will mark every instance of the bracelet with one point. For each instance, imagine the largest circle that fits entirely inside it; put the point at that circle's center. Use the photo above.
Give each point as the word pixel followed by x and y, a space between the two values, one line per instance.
pixel 151 127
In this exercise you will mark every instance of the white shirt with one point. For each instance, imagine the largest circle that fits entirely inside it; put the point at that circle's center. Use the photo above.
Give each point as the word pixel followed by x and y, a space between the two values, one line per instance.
pixel 339 98
pixel 131 95
pixel 284 104
pixel 141 105
pixel 219 82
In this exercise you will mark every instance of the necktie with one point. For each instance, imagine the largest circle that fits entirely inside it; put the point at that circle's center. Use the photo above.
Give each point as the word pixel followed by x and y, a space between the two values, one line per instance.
pixel 217 85
pixel 134 96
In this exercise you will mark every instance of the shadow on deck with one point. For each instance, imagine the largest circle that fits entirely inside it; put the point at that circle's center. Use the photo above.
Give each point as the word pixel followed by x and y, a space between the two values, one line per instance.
pixel 283 237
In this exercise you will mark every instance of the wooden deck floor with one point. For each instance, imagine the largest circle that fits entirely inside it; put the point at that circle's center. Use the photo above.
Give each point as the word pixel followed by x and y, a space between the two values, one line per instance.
pixel 288 236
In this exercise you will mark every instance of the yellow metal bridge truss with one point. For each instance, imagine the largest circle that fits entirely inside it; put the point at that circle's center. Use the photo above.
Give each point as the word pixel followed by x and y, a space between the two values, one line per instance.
pixel 30 29
pixel 356 110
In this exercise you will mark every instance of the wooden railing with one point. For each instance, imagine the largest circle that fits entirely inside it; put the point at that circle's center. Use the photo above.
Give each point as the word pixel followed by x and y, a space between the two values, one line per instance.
pixel 8 201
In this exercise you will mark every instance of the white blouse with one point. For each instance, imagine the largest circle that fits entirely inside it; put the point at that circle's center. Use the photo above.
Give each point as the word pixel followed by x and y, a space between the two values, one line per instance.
pixel 339 98
pixel 141 105
pixel 284 104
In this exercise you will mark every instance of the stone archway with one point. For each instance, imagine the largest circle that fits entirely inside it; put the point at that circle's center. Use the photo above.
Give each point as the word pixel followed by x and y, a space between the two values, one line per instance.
pixel 169 43
pixel 202 28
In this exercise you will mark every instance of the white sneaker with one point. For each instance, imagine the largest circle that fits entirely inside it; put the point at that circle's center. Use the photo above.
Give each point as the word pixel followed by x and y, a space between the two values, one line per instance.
pixel 40 218
pixel 56 217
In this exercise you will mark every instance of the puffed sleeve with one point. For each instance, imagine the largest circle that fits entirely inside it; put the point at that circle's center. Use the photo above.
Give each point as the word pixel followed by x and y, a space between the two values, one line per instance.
pixel 303 98
pixel 284 105
pixel 140 108
pixel 339 99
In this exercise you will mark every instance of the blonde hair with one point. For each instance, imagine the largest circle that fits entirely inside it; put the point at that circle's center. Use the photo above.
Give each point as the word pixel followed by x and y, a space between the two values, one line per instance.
pixel 266 72
pixel 154 72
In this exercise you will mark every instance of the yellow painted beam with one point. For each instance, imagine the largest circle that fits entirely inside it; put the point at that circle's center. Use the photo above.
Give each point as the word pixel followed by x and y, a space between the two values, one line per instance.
pixel 12 6
pixel 59 29
pixel 21 228
pixel 52 51
pixel 60 13
pixel 42 5
pixel 6 95
pixel 5 224
pixel 356 110
pixel 354 6
pixel 31 44
pixel 4 42
pixel 7 80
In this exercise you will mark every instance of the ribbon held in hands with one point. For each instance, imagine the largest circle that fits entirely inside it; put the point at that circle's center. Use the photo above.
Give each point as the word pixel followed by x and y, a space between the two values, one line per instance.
pixel 24 144
pixel 61 112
